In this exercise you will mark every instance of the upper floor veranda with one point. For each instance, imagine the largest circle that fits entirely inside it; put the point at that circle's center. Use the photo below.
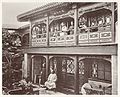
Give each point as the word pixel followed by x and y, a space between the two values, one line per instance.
pixel 72 24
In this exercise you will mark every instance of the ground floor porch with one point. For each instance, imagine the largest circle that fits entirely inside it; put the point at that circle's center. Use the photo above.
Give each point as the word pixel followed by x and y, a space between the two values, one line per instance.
pixel 73 70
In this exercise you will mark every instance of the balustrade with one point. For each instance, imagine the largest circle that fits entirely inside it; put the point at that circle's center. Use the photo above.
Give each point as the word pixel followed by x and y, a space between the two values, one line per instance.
pixel 65 40
pixel 94 27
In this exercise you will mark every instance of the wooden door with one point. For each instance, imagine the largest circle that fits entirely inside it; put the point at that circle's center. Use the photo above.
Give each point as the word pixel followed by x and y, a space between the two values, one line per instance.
pixel 39 69
pixel 84 71
pixel 65 70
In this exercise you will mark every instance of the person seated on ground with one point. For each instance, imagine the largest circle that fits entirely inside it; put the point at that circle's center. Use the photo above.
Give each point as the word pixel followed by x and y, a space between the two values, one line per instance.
pixel 86 85
pixel 30 84
pixel 23 82
pixel 51 81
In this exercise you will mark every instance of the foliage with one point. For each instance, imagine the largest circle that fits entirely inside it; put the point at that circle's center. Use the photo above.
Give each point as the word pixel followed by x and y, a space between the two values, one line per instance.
pixel 11 57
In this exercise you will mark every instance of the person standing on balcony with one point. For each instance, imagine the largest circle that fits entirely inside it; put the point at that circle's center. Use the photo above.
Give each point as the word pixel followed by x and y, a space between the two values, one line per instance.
pixel 71 31
pixel 64 29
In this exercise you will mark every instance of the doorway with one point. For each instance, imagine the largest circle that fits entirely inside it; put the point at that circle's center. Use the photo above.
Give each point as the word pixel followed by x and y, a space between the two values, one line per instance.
pixel 39 69
pixel 65 70
pixel 94 69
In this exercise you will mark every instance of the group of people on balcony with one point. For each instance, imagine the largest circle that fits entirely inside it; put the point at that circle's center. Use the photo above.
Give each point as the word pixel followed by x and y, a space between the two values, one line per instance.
pixel 63 29
pixel 86 23
pixel 93 23
pixel 39 31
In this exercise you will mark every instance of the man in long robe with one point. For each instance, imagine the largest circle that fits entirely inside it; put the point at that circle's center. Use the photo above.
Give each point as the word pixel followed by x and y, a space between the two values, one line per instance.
pixel 51 82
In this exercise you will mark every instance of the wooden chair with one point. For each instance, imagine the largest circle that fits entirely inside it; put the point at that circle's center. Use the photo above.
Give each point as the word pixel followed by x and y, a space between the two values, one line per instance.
pixel 94 91
pixel 88 91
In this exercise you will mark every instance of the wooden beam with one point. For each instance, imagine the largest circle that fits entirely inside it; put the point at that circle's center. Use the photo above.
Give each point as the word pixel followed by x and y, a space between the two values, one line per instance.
pixel 47 30
pixel 76 24
pixel 76 76
pixel 113 22
pixel 47 66
pixel 25 67
pixel 114 70
pixel 30 34
pixel 32 67
pixel 96 50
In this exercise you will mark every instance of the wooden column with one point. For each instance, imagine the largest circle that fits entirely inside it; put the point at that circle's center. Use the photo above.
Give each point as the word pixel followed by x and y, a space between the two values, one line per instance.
pixel 113 22
pixel 25 64
pixel 116 31
pixel 47 66
pixel 32 65
pixel 28 65
pixel 76 76
pixel 76 24
pixel 47 30
pixel 30 34
pixel 114 70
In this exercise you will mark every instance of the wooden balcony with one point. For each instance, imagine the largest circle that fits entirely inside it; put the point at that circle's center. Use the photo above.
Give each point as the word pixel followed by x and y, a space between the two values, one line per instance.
pixel 65 40
pixel 39 42
pixel 102 35
pixel 88 35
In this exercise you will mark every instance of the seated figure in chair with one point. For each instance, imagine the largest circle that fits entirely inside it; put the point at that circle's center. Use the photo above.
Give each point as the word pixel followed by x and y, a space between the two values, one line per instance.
pixel 51 81
pixel 86 85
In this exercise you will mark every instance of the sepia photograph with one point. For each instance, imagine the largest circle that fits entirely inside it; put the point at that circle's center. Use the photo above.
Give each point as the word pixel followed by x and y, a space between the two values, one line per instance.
pixel 60 48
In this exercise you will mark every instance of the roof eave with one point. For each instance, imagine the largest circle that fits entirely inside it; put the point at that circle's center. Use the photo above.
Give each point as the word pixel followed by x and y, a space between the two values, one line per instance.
pixel 27 15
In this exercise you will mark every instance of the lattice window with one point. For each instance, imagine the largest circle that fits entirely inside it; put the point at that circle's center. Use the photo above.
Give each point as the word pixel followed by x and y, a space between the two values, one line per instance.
pixel 70 66
pixel 64 65
pixel 53 66
pixel 94 69
pixel 39 31
pixel 43 63
pixel 35 32
pixel 81 67
pixel 102 70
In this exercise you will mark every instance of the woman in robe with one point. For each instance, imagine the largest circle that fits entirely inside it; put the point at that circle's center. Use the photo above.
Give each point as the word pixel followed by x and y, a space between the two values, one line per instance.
pixel 51 81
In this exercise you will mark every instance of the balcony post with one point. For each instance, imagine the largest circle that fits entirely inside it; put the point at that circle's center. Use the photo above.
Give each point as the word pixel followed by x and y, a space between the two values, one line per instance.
pixel 76 24
pixel 113 22
pixel 114 75
pixel 76 91
pixel 30 34
pixel 25 66
pixel 47 30
pixel 47 66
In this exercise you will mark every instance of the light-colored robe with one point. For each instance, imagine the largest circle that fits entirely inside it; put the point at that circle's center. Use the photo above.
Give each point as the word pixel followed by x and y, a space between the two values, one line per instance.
pixel 50 83
pixel 86 85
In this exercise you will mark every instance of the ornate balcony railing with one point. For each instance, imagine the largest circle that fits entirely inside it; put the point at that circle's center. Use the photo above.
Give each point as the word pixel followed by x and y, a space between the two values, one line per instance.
pixel 101 35
pixel 64 40
pixel 39 42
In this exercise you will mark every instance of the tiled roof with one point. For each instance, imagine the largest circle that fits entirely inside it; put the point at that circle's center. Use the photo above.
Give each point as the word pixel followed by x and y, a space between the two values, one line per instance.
pixel 14 26
pixel 24 26
pixel 43 9
pixel 10 26
pixel 39 9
